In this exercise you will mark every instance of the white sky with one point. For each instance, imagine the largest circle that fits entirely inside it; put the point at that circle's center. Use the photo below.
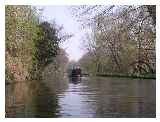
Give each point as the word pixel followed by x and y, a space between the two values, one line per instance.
pixel 62 16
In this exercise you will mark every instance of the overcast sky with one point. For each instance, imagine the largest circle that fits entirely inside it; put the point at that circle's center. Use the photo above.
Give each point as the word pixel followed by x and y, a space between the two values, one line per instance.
pixel 62 16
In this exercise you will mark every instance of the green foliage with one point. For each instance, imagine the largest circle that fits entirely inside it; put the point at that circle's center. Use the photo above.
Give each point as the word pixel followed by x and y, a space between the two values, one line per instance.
pixel 21 34
pixel 48 46
pixel 122 42
pixel 30 45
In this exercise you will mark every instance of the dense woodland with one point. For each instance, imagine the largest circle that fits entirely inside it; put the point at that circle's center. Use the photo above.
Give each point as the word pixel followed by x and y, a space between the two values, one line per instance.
pixel 31 44
pixel 121 41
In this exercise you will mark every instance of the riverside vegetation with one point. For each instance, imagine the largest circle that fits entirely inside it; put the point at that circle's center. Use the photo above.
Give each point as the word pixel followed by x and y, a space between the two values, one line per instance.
pixel 121 41
pixel 31 44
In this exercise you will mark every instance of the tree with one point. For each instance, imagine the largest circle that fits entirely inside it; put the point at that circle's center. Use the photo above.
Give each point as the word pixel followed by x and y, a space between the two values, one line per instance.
pixel 31 44
pixel 124 38
pixel 48 49
pixel 21 28
pixel 48 46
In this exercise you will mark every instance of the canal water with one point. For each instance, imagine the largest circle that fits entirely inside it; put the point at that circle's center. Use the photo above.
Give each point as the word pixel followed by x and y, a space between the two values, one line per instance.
pixel 86 97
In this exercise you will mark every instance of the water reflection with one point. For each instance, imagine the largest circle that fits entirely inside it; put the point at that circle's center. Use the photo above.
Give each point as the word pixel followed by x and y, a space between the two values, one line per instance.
pixel 82 97
pixel 122 97
pixel 75 80
pixel 30 99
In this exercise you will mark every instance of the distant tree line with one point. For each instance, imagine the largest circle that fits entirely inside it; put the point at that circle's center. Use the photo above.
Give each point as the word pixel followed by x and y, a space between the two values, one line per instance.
pixel 122 39
pixel 30 43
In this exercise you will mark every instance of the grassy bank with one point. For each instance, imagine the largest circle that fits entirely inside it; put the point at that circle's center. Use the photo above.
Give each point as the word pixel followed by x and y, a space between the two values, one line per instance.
pixel 151 76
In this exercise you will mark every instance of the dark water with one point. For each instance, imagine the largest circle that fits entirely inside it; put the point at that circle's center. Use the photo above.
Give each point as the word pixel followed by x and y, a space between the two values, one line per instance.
pixel 85 97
